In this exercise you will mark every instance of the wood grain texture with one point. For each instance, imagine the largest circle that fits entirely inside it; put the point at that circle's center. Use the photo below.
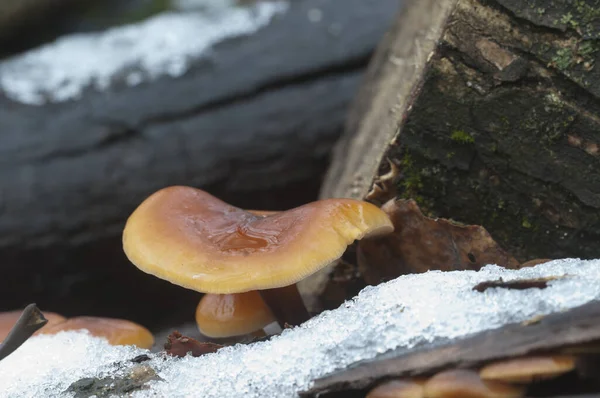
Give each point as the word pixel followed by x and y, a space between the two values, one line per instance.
pixel 496 126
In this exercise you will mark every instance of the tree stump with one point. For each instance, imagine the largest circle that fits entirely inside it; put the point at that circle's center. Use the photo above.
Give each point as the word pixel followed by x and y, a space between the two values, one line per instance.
pixel 491 112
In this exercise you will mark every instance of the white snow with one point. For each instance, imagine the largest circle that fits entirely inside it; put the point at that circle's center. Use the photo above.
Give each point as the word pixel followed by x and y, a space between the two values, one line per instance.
pixel 410 311
pixel 164 45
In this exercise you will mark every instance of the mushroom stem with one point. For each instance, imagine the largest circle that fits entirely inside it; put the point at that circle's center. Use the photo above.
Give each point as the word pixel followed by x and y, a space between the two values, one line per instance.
pixel 30 321
pixel 286 304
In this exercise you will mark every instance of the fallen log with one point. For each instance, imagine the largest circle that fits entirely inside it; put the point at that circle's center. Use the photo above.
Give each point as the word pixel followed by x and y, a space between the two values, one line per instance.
pixel 551 334
pixel 490 112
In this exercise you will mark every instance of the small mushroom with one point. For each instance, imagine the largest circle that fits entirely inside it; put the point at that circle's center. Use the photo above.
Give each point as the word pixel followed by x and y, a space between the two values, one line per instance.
pixel 463 383
pixel 190 238
pixel 116 331
pixel 229 315
pixel 9 318
pixel 528 369
pixel 400 388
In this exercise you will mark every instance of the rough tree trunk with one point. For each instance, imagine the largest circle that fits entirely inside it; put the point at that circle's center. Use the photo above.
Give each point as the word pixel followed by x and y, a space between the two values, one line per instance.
pixel 492 114
pixel 253 122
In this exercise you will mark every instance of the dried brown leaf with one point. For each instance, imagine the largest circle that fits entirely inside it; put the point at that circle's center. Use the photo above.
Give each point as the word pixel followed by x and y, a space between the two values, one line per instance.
pixel 420 243
pixel 179 346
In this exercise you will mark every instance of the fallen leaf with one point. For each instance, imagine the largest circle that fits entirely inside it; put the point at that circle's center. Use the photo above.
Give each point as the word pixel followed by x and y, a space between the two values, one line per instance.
pixel 420 243
pixel 179 346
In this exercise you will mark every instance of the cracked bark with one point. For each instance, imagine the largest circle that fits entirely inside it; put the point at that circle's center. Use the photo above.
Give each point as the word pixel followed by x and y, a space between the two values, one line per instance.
pixel 253 124
pixel 493 120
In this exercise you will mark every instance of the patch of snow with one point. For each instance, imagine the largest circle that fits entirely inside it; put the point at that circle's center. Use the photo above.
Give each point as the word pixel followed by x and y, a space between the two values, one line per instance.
pixel 164 45
pixel 411 311
pixel 46 365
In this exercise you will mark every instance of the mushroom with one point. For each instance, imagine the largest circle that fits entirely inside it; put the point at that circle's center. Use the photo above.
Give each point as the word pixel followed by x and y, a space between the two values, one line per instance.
pixel 9 318
pixel 463 383
pixel 116 331
pixel 229 315
pixel 528 369
pixel 400 388
pixel 190 238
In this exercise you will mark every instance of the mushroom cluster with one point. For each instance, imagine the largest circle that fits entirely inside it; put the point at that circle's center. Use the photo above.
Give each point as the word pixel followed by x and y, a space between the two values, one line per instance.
pixel 190 238
pixel 502 379
pixel 116 331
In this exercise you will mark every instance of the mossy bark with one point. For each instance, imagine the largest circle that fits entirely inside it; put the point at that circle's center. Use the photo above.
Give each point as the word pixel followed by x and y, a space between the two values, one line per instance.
pixel 503 130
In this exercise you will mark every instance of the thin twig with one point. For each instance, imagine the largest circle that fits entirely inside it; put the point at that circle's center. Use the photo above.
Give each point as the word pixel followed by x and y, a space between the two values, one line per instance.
pixel 30 321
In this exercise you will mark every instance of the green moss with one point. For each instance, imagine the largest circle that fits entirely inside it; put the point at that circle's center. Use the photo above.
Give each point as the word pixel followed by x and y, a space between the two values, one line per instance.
pixel 587 48
pixel 587 14
pixel 501 204
pixel 406 161
pixel 410 186
pixel 563 58
pixel 526 223
pixel 450 155
pixel 462 137
pixel 567 19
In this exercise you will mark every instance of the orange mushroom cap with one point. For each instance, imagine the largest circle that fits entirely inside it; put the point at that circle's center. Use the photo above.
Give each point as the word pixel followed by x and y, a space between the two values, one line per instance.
pixel 528 369
pixel 192 239
pixel 228 315
pixel 401 388
pixel 9 318
pixel 116 331
pixel 463 383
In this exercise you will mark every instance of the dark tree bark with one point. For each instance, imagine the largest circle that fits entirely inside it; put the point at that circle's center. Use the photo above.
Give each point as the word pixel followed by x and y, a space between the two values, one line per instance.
pixel 253 123
pixel 492 114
